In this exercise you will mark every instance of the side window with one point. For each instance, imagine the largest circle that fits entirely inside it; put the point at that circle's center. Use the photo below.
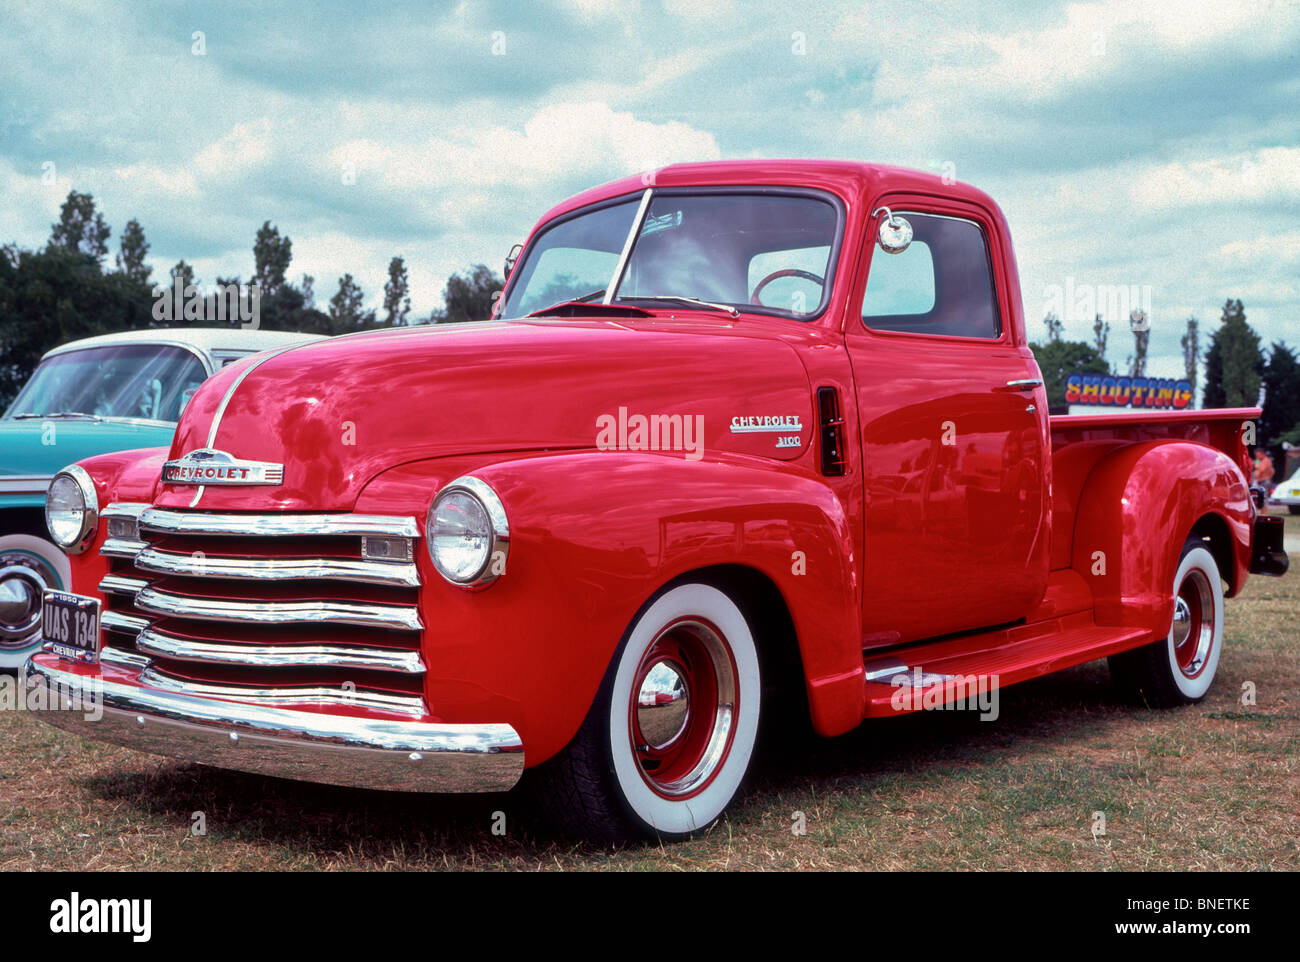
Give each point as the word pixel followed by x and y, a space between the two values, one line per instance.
pixel 941 284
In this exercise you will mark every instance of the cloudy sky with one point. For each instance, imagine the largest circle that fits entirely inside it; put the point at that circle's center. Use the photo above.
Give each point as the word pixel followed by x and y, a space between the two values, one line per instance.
pixel 1146 143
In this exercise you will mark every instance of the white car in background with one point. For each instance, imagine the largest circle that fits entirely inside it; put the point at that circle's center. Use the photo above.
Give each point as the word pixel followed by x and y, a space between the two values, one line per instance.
pixel 1288 493
pixel 108 393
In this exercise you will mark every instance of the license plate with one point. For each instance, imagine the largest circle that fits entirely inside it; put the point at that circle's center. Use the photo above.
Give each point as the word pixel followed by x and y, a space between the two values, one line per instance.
pixel 70 625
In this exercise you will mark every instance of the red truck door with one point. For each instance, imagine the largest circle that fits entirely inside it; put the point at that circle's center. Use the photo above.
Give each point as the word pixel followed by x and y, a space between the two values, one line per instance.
pixel 952 440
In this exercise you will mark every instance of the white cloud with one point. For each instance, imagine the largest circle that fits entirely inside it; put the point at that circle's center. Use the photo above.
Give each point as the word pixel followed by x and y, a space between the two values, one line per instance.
pixel 706 11
pixel 1269 249
pixel 243 148
pixel 560 141
pixel 1270 175
pixel 592 9
pixel 29 205
pixel 149 178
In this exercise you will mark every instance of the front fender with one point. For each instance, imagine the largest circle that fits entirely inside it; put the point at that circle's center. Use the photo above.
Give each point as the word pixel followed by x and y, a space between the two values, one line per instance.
pixel 593 535
pixel 1137 508
pixel 118 477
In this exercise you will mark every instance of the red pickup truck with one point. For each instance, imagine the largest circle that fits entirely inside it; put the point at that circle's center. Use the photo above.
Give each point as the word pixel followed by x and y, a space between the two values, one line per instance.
pixel 742 437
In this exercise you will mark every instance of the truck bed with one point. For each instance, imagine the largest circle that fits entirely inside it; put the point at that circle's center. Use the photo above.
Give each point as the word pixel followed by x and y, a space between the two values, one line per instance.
pixel 1079 441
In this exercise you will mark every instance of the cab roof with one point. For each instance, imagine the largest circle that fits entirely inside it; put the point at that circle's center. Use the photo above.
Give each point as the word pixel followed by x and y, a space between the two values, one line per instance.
pixel 849 179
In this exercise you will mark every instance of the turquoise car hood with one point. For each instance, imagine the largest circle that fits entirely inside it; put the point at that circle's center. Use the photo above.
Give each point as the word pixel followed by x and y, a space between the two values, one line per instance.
pixel 39 447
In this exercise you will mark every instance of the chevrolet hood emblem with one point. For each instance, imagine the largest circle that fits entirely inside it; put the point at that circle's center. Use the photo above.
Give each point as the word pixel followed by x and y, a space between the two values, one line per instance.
pixel 210 466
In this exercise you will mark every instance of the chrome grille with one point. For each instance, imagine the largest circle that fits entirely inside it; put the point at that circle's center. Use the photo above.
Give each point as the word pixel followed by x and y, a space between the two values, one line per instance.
pixel 281 608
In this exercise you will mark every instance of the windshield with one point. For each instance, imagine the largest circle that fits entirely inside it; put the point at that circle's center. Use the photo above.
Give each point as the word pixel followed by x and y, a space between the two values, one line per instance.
pixel 770 253
pixel 149 381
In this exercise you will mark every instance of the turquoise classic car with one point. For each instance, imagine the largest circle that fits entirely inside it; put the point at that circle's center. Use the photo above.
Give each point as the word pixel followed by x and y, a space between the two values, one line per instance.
pixel 110 393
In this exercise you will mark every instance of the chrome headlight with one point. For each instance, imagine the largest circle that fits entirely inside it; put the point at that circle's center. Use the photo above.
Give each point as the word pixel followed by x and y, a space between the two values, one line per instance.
pixel 467 533
pixel 72 510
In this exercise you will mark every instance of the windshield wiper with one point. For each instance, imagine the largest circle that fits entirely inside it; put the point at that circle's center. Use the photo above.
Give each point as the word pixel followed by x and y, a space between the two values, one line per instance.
pixel 726 308
pixel 572 300
pixel 60 414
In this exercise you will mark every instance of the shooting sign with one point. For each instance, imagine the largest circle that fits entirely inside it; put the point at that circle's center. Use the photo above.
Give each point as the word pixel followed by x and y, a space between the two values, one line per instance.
pixel 1138 392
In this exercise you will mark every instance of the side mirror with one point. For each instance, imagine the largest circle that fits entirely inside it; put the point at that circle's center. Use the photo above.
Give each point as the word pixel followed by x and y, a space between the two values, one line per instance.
pixel 895 232
pixel 511 260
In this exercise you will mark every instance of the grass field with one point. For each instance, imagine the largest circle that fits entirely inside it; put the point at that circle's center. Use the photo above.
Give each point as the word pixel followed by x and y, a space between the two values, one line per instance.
pixel 1211 787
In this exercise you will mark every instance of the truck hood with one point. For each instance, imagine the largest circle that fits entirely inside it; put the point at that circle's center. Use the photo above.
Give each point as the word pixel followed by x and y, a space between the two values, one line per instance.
pixel 336 413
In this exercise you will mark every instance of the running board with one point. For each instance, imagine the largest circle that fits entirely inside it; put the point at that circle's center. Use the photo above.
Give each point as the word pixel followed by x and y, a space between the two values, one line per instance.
pixel 934 674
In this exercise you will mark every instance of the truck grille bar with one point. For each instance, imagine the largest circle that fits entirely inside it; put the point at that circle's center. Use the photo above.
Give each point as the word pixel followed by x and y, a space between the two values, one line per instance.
pixel 158 561
pixel 156 602
pixel 152 642
pixel 307 695
pixel 272 525
pixel 123 624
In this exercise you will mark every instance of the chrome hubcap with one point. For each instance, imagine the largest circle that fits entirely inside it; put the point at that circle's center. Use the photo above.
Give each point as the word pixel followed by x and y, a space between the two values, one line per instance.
pixel 1193 630
pixel 663 704
pixel 685 702
pixel 1182 622
pixel 21 588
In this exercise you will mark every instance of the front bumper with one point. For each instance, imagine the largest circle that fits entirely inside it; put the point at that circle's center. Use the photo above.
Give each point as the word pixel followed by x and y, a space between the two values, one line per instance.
pixel 332 749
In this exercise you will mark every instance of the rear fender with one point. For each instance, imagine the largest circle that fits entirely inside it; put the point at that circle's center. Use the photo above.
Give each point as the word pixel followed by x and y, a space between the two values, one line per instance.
pixel 1135 511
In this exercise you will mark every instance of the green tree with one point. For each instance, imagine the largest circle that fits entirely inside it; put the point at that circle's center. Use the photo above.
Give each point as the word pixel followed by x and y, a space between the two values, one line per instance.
pixel 1191 342
pixel 1234 364
pixel 1281 394
pixel 347 310
pixel 55 295
pixel 470 296
pixel 1100 335
pixel 80 228
pixel 1058 360
pixel 397 301
pixel 130 261
pixel 1140 325
pixel 1054 327
pixel 185 272
pixel 272 255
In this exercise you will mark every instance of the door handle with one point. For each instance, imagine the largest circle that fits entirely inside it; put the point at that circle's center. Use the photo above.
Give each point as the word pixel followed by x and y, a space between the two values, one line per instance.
pixel 1024 384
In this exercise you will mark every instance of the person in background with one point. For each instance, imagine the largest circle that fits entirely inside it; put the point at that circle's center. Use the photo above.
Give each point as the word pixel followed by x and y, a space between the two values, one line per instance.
pixel 1263 470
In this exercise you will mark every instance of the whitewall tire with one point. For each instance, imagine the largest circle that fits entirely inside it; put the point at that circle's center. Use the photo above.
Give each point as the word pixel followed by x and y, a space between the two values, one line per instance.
pixel 672 731
pixel 1180 668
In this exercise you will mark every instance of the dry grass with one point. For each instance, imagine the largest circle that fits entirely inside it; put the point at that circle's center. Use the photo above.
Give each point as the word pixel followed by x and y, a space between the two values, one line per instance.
pixel 1211 787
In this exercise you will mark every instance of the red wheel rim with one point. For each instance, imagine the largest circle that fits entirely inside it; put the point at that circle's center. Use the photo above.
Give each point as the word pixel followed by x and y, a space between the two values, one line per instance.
pixel 681 716
pixel 1192 634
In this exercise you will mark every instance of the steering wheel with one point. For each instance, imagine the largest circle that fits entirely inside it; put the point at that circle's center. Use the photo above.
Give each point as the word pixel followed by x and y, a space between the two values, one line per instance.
pixel 788 272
